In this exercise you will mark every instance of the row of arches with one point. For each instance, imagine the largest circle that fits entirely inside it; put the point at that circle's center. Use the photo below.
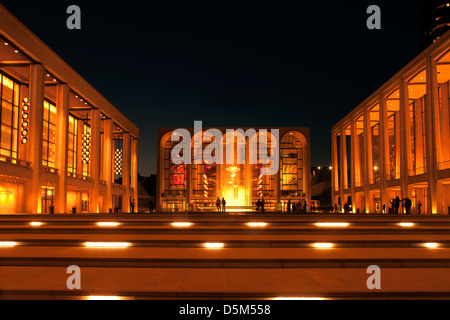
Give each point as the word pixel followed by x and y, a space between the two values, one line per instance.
pixel 197 185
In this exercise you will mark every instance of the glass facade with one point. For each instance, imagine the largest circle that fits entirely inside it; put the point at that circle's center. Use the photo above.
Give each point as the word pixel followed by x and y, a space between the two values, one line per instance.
pixel 49 135
pixel 9 112
pixel 291 166
pixel 72 145
pixel 197 186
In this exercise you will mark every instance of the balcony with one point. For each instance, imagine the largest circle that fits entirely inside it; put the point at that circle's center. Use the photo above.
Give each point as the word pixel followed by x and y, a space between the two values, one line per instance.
pixel 116 185
pixel 17 162
pixel 79 176
pixel 50 170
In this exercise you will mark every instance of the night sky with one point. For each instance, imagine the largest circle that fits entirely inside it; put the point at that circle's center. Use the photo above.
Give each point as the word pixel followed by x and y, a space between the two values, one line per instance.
pixel 168 63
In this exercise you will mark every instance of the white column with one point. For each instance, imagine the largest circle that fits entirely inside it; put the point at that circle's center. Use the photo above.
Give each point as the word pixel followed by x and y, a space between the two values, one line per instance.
pixel 94 195
pixel 126 171
pixel 134 171
pixel 108 162
pixel 36 88
pixel 432 129
pixel 62 106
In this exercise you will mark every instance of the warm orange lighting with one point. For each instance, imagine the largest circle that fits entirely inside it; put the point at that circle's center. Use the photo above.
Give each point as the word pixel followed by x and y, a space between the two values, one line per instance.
pixel 299 298
pixel 431 245
pixel 7 243
pixel 214 245
pixel 107 244
pixel 103 298
pixel 332 224
pixel 406 224
pixel 323 245
pixel 257 224
pixel 108 224
pixel 233 169
pixel 181 224
pixel 36 224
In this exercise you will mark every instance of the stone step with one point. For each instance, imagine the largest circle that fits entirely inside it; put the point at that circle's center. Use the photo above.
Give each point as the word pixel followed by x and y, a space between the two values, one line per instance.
pixel 155 257
pixel 186 283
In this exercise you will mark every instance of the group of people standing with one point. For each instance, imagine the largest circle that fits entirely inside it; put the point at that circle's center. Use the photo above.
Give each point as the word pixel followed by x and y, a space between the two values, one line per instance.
pixel 406 203
pixel 221 204
pixel 292 207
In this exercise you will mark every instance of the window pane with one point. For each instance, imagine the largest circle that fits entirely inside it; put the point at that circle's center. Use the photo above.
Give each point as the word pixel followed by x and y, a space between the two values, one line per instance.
pixel 7 93
pixel 6 138
pixel 7 113
pixel 16 94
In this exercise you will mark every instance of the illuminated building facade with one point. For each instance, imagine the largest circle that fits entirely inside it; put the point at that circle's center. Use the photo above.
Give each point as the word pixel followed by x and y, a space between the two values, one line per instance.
pixel 396 143
pixel 435 20
pixel 196 186
pixel 59 136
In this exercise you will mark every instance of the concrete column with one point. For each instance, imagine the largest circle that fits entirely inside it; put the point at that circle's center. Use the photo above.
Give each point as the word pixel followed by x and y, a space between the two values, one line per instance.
pixel 94 194
pixel 354 138
pixel 307 171
pixel 108 162
pixel 368 173
pixel 126 171
pixel 134 171
pixel 384 155
pixel 404 138
pixel 36 88
pixel 62 106
pixel 334 168
pixel 444 155
pixel 432 128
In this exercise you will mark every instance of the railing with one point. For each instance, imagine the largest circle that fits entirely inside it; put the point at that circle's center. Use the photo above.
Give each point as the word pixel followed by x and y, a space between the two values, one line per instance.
pixel 116 185
pixel 17 162
pixel 50 170
pixel 79 176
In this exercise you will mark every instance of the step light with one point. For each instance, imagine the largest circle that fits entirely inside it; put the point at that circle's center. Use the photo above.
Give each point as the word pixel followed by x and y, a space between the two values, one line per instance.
pixel 107 244
pixel 406 224
pixel 107 224
pixel 323 245
pixel 214 245
pixel 181 224
pixel 36 224
pixel 332 224
pixel 299 298
pixel 431 245
pixel 257 224
pixel 7 243
pixel 103 298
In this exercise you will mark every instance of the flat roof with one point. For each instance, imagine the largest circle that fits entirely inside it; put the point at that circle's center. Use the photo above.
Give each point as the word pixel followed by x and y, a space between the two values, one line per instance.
pixel 21 37
pixel 435 50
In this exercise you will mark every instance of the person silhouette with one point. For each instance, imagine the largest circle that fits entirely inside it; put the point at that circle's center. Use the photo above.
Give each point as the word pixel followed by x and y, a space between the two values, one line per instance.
pixel 396 204
pixel 223 204
pixel 218 204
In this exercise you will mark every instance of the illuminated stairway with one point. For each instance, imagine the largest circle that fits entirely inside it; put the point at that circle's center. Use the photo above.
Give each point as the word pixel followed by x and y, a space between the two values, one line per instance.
pixel 259 256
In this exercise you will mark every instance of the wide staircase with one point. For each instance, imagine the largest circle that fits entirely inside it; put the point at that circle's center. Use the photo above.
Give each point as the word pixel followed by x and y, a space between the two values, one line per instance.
pixel 225 256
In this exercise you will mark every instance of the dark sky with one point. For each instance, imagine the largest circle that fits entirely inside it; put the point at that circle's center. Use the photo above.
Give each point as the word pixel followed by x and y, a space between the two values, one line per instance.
pixel 252 63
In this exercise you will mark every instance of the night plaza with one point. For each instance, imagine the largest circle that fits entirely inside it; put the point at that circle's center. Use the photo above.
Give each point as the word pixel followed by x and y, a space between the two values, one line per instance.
pixel 231 227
